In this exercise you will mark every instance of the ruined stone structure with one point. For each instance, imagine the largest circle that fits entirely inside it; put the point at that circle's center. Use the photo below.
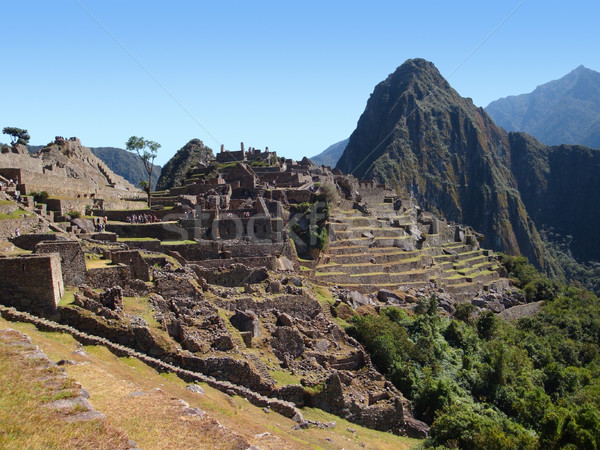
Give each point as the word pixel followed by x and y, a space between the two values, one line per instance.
pixel 242 155
pixel 72 259
pixel 215 265
pixel 65 168
pixel 32 283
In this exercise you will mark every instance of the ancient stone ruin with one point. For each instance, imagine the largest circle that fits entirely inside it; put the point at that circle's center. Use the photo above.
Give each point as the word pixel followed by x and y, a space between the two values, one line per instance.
pixel 209 282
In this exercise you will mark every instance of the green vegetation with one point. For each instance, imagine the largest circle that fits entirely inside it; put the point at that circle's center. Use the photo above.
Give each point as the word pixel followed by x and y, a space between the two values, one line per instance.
pixel 17 135
pixel 309 226
pixel 482 382
pixel 16 214
pixel 40 197
pixel 586 274
pixel 74 214
pixel 147 151
pixel 126 164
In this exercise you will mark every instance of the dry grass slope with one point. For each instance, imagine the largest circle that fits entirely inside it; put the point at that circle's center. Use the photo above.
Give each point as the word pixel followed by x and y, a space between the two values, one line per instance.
pixel 150 409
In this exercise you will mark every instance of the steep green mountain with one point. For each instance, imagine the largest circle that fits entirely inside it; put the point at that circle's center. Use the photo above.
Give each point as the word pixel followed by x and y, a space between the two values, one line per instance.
pixel 187 157
pixel 126 164
pixel 564 111
pixel 419 134
pixel 331 155
pixel 559 186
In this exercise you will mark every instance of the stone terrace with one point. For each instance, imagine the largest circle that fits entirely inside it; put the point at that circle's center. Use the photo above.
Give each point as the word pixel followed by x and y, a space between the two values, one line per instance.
pixel 403 249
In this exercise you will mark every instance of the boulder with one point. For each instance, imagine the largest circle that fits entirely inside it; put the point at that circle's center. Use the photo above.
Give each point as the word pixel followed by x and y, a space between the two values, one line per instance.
pixel 287 342
pixel 223 343
pixel 285 264
pixel 479 302
pixel 246 321
pixel 85 225
pixel 356 299
pixel 415 428
pixel 274 287
pixel 284 320
pixel 386 296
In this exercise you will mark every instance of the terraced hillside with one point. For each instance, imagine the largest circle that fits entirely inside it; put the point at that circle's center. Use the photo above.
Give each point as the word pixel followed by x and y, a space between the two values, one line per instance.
pixel 406 250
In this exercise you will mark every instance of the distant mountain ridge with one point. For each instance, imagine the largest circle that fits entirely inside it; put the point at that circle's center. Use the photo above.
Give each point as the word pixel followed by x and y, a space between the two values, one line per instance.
pixel 331 155
pixel 419 134
pixel 126 164
pixel 563 111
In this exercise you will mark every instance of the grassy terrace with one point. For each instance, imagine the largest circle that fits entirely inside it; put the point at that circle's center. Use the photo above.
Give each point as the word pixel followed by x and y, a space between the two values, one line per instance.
pixel 97 263
pixel 188 241
pixel 407 272
pixel 17 214
pixel 136 239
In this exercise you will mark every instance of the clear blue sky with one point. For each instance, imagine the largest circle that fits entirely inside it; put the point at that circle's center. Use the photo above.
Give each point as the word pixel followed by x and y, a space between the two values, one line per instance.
pixel 293 76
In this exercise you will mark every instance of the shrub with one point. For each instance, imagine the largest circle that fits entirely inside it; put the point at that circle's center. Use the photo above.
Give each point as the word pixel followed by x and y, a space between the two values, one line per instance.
pixel 40 197
pixel 74 214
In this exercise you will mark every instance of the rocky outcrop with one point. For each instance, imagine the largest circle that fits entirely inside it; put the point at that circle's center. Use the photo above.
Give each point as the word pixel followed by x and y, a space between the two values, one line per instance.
pixel 187 158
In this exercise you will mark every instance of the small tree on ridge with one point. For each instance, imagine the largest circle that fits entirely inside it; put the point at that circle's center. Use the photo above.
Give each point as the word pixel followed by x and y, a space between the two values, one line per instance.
pixel 18 135
pixel 147 151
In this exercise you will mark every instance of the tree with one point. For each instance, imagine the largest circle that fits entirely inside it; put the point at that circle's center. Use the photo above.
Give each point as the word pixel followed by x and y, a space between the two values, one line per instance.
pixel 147 151
pixel 18 135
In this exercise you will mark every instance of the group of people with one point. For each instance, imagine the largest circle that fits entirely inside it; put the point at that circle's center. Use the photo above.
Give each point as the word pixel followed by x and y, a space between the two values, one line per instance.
pixel 8 184
pixel 142 218
pixel 100 224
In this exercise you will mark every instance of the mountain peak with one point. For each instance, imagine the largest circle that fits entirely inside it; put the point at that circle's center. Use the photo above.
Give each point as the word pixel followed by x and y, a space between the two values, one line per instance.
pixel 419 70
pixel 419 134
pixel 563 111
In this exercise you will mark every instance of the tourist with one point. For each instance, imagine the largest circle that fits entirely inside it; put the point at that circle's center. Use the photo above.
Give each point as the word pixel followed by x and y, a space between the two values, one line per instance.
pixel 17 232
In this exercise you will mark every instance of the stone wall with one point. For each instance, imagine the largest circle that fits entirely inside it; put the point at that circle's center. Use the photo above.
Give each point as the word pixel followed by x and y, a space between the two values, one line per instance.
pixel 298 306
pixel 153 246
pixel 132 258
pixel 373 195
pixel 268 262
pixel 29 241
pixel 298 196
pixel 25 225
pixel 107 277
pixel 229 369
pixel 163 231
pixel 11 174
pixel 231 276
pixel 196 252
pixel 22 161
pixel 31 283
pixel 72 259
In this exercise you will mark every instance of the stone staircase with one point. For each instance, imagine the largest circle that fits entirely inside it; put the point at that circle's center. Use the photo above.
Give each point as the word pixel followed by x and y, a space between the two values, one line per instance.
pixel 384 248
